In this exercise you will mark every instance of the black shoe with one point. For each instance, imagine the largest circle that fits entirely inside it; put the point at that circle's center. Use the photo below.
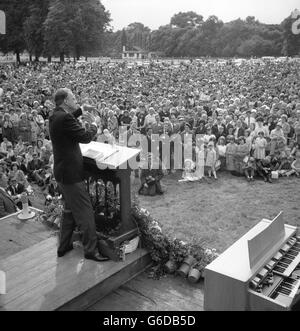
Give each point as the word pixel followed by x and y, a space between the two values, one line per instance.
pixel 96 257
pixel 62 253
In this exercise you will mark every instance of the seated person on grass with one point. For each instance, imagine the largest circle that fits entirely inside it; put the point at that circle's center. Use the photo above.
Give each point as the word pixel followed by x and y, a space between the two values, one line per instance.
pixel 295 166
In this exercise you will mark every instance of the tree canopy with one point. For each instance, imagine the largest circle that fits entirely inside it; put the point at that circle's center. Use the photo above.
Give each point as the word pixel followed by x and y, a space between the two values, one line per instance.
pixel 82 27
pixel 55 27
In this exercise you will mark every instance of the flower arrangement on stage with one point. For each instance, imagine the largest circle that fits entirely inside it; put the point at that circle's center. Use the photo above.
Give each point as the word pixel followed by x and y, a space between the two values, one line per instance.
pixel 168 253
pixel 52 213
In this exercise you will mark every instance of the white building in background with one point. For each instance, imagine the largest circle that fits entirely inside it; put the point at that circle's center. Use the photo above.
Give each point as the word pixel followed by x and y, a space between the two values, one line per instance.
pixel 138 53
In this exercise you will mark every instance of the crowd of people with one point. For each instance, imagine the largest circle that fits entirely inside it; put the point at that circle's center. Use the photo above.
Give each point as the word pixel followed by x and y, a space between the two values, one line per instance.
pixel 244 118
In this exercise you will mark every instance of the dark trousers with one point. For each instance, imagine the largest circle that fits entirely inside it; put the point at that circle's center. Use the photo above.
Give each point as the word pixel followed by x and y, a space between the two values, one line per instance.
pixel 78 212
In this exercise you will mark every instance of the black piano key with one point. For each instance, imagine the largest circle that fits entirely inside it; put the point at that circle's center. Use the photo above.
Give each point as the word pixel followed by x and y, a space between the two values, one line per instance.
pixel 291 281
pixel 279 269
pixel 290 256
pixel 288 261
pixel 288 286
pixel 283 291
pixel 282 264
pixel 274 295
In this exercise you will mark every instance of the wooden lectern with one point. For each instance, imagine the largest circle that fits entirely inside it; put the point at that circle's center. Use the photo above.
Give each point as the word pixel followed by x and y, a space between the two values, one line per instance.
pixel 110 163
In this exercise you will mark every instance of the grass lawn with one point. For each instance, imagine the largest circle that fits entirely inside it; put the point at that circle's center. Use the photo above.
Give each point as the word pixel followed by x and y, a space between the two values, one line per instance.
pixel 224 210
pixel 219 212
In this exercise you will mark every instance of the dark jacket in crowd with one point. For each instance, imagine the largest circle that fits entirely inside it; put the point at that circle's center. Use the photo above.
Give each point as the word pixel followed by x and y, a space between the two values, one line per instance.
pixel 7 205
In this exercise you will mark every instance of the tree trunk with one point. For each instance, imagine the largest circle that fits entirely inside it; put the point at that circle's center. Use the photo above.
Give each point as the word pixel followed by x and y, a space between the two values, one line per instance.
pixel 62 57
pixel 30 58
pixel 86 58
pixel 18 58
pixel 36 58
pixel 49 59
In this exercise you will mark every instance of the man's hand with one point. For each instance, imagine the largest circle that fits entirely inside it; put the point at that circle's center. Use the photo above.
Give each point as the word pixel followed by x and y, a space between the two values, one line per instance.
pixel 88 117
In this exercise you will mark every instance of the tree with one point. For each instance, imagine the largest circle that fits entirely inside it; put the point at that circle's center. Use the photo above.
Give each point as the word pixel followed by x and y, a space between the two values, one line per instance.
pixel 33 27
pixel 187 19
pixel 124 38
pixel 138 35
pixel 75 27
pixel 16 13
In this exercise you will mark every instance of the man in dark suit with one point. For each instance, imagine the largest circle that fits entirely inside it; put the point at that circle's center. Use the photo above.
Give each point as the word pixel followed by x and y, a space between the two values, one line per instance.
pixel 66 133
pixel 15 190
pixel 34 168
pixel 7 204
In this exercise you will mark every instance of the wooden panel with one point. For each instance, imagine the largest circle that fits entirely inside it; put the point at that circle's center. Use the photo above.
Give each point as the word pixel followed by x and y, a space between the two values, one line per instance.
pixel 38 280
pixel 224 293
pixel 259 302
pixel 263 242
pixel 109 284
pixel 17 235
pixel 145 294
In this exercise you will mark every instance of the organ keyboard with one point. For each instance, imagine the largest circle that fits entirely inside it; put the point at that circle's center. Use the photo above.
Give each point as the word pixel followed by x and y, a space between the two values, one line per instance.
pixel 261 271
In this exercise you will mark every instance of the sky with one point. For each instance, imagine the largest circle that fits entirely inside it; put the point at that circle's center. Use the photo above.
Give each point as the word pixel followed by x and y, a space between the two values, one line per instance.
pixel 154 13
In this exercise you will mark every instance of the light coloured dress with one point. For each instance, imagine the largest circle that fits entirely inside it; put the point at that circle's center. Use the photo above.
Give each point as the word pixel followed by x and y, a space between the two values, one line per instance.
pixel 230 153
pixel 211 158
pixel 260 145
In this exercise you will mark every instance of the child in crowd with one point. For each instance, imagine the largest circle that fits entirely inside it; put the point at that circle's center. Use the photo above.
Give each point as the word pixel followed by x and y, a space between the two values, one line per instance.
pixel 260 145
pixel 295 166
pixel 263 168
pixel 249 167
pixel 211 159
pixel 189 171
pixel 199 173
pixel 286 160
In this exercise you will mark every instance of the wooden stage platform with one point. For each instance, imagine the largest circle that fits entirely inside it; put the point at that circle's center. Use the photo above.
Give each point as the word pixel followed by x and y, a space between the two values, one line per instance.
pixel 36 279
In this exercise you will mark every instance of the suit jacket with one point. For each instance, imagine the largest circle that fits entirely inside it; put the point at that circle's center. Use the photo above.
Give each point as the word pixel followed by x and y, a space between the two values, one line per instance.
pixel 7 205
pixel 66 133
pixel 32 166
pixel 20 188
pixel 240 133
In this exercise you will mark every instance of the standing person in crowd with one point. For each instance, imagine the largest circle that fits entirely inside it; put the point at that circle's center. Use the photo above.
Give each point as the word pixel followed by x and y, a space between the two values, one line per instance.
pixel 211 159
pixel 230 153
pixel 260 145
pixel 66 134
pixel 7 129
